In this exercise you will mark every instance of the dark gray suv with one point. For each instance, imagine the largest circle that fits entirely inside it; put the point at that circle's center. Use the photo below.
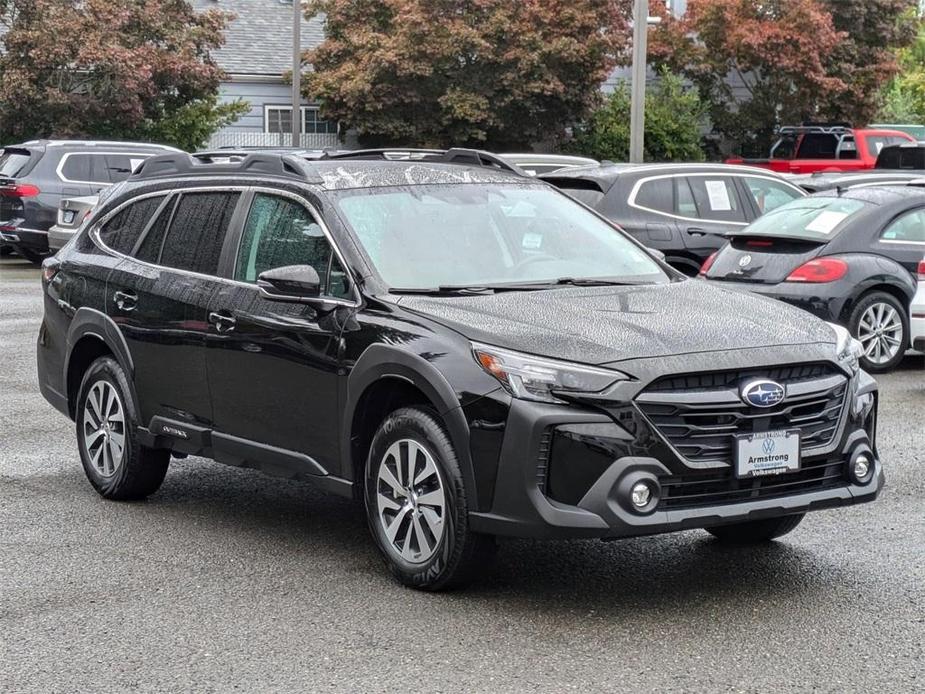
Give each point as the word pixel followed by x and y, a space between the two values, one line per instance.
pixel 35 176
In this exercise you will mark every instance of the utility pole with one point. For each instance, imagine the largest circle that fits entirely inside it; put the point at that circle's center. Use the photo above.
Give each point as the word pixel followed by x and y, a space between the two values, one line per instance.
pixel 638 90
pixel 296 72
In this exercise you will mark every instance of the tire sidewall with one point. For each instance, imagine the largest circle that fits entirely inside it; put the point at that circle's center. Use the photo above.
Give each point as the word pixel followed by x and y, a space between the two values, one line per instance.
pixel 107 369
pixel 423 427
pixel 854 323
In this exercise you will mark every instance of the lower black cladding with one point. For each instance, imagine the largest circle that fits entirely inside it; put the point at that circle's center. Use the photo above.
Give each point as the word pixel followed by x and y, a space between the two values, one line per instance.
pixel 714 488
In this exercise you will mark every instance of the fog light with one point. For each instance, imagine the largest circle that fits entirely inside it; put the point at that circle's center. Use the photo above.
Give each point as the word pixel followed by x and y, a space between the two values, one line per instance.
pixel 641 494
pixel 861 468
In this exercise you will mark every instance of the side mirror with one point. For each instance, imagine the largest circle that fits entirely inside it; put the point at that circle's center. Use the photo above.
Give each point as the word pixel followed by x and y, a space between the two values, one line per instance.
pixel 291 281
pixel 657 253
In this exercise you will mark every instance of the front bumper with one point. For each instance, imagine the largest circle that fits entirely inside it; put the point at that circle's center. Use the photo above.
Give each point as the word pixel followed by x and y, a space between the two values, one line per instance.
pixel 581 489
pixel 58 236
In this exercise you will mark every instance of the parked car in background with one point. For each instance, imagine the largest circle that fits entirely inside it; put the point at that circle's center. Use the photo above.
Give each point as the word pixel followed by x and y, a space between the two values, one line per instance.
pixel 72 213
pixel 917 311
pixel 464 348
pixel 35 176
pixel 914 129
pixel 850 258
pixel 682 210
pixel 819 181
pixel 822 147
pixel 535 164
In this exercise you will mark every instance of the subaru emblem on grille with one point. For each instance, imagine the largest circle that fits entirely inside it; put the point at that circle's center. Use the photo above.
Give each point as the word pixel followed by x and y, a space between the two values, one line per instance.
pixel 762 393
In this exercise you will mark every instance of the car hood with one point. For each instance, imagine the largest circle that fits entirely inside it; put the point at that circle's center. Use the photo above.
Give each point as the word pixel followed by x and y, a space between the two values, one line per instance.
pixel 601 325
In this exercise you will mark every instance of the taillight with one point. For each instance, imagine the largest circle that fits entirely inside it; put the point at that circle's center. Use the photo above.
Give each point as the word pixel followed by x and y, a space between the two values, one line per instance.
pixel 819 270
pixel 20 190
pixel 50 267
pixel 920 271
pixel 707 264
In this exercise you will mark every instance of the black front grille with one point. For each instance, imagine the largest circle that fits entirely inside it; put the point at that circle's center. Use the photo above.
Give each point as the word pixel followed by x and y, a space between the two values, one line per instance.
pixel 701 414
pixel 721 487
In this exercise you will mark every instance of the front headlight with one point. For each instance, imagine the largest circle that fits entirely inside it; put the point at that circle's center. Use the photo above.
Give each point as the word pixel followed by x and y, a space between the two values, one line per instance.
pixel 534 378
pixel 848 351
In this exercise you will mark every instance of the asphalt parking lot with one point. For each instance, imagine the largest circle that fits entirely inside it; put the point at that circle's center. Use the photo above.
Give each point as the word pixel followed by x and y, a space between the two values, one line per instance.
pixel 228 580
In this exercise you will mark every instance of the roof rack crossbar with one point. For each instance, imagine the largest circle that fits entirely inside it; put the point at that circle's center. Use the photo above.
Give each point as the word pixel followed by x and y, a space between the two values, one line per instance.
pixel 456 155
pixel 285 165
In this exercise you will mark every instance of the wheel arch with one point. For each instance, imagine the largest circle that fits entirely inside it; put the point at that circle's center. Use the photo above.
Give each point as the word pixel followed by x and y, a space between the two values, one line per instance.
pixel 384 379
pixel 93 334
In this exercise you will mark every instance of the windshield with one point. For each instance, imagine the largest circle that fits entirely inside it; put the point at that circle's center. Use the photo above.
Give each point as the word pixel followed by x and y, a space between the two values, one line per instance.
pixel 806 218
pixel 471 235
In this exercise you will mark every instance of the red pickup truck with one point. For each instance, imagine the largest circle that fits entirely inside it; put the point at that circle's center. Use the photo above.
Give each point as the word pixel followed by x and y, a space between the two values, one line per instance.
pixel 806 149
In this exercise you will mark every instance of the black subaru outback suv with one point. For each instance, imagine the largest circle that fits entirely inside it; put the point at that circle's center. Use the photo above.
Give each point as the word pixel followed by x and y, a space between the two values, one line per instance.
pixel 468 350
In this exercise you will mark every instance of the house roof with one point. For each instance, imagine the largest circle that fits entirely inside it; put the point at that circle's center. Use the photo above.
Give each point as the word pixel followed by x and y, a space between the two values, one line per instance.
pixel 259 40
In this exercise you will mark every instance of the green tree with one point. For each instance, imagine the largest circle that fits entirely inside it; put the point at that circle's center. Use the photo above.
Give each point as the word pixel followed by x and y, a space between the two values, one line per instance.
pixel 127 69
pixel 674 120
pixel 490 73
pixel 903 99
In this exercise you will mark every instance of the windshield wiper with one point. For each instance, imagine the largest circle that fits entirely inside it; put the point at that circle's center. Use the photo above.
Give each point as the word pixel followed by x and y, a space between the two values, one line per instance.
pixel 578 282
pixel 443 289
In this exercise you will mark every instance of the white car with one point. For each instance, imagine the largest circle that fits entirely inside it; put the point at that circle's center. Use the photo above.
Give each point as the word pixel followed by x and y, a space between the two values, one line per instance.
pixel 72 213
pixel 917 313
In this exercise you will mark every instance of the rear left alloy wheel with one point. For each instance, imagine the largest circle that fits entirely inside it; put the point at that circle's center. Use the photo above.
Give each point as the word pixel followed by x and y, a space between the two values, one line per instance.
pixel 117 466
pixel 880 324
pixel 416 504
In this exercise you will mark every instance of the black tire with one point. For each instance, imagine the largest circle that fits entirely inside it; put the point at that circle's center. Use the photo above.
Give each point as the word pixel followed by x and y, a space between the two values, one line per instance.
pixel 854 327
pixel 31 256
pixel 138 471
pixel 6 250
pixel 459 555
pixel 753 532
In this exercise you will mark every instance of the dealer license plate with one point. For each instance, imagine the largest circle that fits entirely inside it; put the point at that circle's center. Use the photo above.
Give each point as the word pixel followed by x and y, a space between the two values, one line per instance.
pixel 767 453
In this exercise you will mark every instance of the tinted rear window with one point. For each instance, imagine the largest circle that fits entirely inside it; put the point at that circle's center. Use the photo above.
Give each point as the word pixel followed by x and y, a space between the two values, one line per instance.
pixel 195 239
pixel 122 231
pixel 815 219
pixel 14 161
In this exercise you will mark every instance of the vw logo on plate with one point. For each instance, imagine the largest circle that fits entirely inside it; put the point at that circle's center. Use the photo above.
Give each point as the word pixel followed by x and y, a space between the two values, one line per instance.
pixel 762 393
pixel 768 446
pixel 745 260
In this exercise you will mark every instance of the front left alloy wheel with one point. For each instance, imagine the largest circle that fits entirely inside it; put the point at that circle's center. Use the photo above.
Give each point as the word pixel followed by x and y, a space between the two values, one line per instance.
pixel 416 504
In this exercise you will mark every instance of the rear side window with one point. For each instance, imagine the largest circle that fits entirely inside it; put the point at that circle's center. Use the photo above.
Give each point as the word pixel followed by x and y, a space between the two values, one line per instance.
pixel 14 161
pixel 194 241
pixel 655 195
pixel 85 168
pixel 123 230
pixel 150 249
pixel 909 228
pixel 281 232
pixel 716 198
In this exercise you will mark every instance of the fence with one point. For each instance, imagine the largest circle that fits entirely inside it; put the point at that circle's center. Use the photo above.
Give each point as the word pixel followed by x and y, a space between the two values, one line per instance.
pixel 243 138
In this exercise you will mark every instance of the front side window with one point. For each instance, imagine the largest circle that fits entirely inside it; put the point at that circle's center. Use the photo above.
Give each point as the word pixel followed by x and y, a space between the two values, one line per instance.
pixel 280 232
pixel 123 230
pixel 716 198
pixel 428 236
pixel 194 240
pixel 908 228
pixel 769 194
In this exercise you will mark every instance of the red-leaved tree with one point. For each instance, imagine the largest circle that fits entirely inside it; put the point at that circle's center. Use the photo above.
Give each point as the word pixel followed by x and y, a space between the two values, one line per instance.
pixel 492 73
pixel 134 69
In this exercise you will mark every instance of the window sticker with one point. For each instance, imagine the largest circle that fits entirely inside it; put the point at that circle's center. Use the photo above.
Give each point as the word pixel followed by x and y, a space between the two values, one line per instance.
pixel 532 241
pixel 826 221
pixel 718 195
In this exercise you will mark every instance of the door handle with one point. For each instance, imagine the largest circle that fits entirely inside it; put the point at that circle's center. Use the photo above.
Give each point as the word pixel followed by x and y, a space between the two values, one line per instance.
pixel 696 231
pixel 126 301
pixel 223 323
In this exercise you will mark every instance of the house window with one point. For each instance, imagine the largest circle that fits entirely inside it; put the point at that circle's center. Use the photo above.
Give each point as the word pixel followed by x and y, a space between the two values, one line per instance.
pixel 279 120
